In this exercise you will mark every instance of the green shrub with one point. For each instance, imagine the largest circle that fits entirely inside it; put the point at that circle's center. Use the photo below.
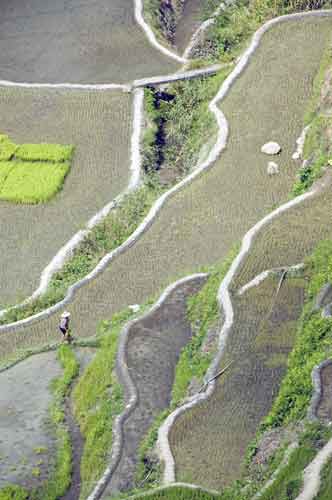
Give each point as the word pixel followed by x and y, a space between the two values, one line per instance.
pixel 13 492
pixel 44 152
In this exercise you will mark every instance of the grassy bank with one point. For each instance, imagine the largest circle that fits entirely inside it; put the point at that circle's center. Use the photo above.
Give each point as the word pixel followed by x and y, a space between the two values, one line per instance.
pixel 326 482
pixel 227 36
pixel 317 149
pixel 163 17
pixel 313 344
pixel 105 237
pixel 60 479
pixel 97 400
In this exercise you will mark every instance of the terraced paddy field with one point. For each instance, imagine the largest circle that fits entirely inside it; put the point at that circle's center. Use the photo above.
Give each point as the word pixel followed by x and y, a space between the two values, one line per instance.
pixel 75 41
pixel 98 124
pixel 200 224
pixel 27 442
pixel 260 356
pixel 261 338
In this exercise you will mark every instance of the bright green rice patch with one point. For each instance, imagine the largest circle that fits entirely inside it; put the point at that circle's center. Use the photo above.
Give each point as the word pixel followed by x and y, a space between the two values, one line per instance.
pixel 44 152
pixel 33 182
pixel 5 168
pixel 7 148
pixel 32 173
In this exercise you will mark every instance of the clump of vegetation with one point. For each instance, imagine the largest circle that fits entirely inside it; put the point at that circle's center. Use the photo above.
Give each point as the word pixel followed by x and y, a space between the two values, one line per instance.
pixel 179 125
pixel 14 492
pixel 313 344
pixel 163 17
pixel 317 147
pixel 32 173
pixel 226 37
pixel 326 482
pixel 203 314
pixel 97 400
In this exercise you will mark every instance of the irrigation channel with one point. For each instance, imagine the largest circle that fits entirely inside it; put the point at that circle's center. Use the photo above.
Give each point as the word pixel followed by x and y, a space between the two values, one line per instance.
pixel 199 225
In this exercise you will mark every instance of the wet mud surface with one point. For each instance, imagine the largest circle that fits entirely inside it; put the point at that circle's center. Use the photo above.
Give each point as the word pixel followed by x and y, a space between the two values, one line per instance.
pixel 75 41
pixel 153 350
pixel 26 438
pixel 324 411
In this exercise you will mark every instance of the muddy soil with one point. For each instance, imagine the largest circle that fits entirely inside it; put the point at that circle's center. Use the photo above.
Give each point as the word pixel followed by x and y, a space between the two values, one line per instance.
pixel 26 440
pixel 324 411
pixel 153 350
pixel 75 41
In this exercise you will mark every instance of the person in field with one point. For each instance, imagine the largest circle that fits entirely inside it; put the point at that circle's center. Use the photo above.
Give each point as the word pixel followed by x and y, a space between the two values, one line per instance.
pixel 64 326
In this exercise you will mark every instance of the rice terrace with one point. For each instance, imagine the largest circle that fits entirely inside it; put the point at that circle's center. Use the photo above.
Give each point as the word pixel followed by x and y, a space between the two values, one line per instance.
pixel 166 249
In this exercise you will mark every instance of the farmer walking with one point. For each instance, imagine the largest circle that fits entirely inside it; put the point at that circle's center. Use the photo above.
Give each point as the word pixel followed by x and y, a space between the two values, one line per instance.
pixel 64 326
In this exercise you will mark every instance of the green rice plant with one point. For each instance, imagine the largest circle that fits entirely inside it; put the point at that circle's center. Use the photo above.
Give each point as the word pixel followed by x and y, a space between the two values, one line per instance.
pixel 44 152
pixel 5 169
pixel 33 182
pixel 97 400
pixel 7 148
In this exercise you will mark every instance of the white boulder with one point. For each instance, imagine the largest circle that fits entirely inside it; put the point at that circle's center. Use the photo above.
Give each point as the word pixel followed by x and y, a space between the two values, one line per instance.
pixel 271 148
